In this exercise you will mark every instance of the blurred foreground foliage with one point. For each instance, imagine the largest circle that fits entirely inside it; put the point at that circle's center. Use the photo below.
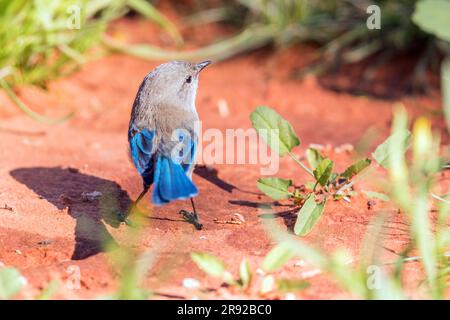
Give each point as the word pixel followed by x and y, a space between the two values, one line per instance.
pixel 414 165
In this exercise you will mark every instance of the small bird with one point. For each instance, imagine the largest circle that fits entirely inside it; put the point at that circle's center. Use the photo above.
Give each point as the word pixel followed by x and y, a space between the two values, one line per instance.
pixel 162 136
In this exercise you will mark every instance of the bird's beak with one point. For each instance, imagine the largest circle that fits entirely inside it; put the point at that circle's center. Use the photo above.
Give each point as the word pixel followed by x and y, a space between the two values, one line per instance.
pixel 203 65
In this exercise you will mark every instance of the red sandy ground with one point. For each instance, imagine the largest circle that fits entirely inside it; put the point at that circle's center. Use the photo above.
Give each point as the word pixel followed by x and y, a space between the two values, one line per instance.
pixel 44 169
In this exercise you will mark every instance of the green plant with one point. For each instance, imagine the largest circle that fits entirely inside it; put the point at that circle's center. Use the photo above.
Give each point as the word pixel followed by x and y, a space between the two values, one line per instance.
pixel 130 263
pixel 274 260
pixel 339 27
pixel 312 197
pixel 10 283
pixel 411 180
pixel 38 41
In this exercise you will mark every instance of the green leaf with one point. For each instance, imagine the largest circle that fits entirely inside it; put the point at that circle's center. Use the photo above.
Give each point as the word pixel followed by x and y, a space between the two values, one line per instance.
pixel 209 264
pixel 278 256
pixel 356 168
pixel 376 195
pixel 245 273
pixel 276 131
pixel 313 157
pixel 276 188
pixel 10 283
pixel 398 168
pixel 291 285
pixel 323 171
pixel 308 216
pixel 381 153
pixel 432 17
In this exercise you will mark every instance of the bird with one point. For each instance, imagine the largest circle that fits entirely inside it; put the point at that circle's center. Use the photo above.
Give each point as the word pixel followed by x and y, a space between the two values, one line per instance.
pixel 162 134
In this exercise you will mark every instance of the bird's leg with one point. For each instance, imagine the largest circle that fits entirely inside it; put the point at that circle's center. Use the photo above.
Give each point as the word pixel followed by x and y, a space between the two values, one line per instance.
pixel 192 217
pixel 123 216
pixel 143 193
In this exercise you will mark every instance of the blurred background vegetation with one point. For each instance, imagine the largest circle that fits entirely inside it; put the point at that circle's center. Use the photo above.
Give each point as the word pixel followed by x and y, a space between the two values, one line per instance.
pixel 38 43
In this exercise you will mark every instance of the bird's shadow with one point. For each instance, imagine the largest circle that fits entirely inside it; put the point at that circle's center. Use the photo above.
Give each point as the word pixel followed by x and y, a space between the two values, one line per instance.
pixel 212 175
pixel 289 217
pixel 64 188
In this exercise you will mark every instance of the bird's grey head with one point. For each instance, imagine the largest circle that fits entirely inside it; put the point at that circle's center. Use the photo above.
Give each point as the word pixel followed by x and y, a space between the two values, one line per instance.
pixel 174 84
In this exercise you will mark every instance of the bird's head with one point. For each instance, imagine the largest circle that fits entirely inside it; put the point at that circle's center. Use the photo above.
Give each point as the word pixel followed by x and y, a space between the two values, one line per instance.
pixel 175 83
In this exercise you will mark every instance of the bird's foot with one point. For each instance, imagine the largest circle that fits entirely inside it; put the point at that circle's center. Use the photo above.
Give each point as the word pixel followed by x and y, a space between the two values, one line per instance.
pixel 191 217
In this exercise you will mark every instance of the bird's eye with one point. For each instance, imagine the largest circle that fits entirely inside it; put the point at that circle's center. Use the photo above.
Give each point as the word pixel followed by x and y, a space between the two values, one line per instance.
pixel 189 79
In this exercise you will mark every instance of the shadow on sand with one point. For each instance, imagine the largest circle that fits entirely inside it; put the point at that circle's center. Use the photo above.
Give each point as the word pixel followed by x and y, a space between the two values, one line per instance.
pixel 64 188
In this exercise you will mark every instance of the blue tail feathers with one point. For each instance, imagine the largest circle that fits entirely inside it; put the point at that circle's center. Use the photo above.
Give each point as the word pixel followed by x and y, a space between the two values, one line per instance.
pixel 171 182
pixel 169 177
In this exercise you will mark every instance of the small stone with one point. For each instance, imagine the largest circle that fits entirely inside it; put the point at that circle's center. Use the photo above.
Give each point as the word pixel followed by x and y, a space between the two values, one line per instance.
pixel 260 272
pixel 91 196
pixel 290 296
pixel 191 283
pixel 239 216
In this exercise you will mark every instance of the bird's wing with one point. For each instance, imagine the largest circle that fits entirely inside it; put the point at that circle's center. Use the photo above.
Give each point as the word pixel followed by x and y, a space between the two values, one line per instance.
pixel 142 150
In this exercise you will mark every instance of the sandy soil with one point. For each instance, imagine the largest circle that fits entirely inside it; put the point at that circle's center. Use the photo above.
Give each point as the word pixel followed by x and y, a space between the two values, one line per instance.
pixel 45 169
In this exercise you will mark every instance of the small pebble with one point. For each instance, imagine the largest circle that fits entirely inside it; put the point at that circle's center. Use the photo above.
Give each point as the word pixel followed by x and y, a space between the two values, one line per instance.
pixel 18 251
pixel 91 196
pixel 260 272
pixel 239 217
pixel 202 237
pixel 191 283
pixel 290 296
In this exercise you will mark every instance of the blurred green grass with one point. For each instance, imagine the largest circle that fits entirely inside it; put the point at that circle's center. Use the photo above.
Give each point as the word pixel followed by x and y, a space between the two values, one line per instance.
pixel 36 44
pixel 40 39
